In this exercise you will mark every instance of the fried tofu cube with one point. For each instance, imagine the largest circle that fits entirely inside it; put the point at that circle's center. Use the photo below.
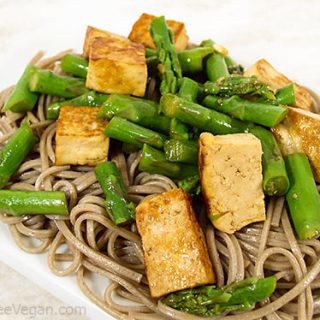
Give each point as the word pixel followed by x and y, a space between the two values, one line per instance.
pixel 300 132
pixel 174 246
pixel 265 72
pixel 80 138
pixel 140 32
pixel 231 179
pixel 117 65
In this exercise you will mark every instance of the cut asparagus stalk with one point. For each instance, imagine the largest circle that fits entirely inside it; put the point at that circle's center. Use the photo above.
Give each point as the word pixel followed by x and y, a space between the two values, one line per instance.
pixel 21 99
pixel 120 210
pixel 126 131
pixel 18 203
pixel 188 90
pixel 15 151
pixel 178 130
pixel 48 82
pixel 154 161
pixel 181 151
pixel 190 185
pixel 75 65
pixel 216 67
pixel 303 197
pixel 275 178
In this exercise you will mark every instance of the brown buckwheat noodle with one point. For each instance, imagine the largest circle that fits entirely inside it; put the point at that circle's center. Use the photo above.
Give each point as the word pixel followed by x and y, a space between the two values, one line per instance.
pixel 88 244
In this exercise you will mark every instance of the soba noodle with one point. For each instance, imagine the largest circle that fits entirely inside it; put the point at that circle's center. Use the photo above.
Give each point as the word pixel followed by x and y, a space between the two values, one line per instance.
pixel 88 243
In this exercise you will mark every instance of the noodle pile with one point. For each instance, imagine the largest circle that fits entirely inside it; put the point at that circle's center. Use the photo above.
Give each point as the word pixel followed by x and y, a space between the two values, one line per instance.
pixel 89 245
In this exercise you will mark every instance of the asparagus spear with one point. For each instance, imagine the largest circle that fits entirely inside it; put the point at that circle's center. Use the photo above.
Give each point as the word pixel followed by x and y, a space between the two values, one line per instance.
pixel 284 96
pixel 75 65
pixel 275 178
pixel 154 161
pixel 181 151
pixel 15 151
pixel 129 148
pixel 212 301
pixel 238 85
pixel 90 98
pixel 126 131
pixel 233 67
pixel 192 60
pixel 18 203
pixel 190 185
pixel 21 99
pixel 141 111
pixel 303 197
pixel 169 67
pixel 216 67
pixel 199 116
pixel 48 82
pixel 189 89
pixel 178 130
pixel 120 210
pixel 150 52
pixel 261 113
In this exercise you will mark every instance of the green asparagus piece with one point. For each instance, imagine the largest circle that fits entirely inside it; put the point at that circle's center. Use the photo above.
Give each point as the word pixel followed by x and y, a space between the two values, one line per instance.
pixel 238 85
pixel 190 185
pixel 303 197
pixel 21 99
pixel 188 90
pixel 169 65
pixel 120 210
pixel 261 113
pixel 178 130
pixel 90 98
pixel 207 43
pixel 212 301
pixel 150 52
pixel 275 178
pixel 200 117
pixel 126 131
pixel 75 65
pixel 181 151
pixel 284 96
pixel 216 67
pixel 48 82
pixel 154 161
pixel 233 67
pixel 15 151
pixel 18 203
pixel 192 60
pixel 129 148
pixel 141 111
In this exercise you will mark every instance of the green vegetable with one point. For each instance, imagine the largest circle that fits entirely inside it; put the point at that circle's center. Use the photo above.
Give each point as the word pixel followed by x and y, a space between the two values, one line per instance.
pixel 209 301
pixel 181 151
pixel 21 99
pixel 303 197
pixel 275 178
pixel 48 82
pixel 129 148
pixel 90 98
pixel 169 65
pixel 192 60
pixel 178 130
pixel 188 90
pixel 150 52
pixel 15 151
pixel 154 161
pixel 18 203
pixel 126 131
pixel 141 111
pixel 200 117
pixel 190 185
pixel 233 67
pixel 216 67
pixel 238 85
pixel 75 65
pixel 261 113
pixel 120 210
pixel 284 96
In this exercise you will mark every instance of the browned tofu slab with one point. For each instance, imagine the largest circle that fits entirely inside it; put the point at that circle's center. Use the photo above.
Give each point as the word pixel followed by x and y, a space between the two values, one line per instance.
pixel 231 179
pixel 80 138
pixel 140 32
pixel 300 132
pixel 265 72
pixel 174 246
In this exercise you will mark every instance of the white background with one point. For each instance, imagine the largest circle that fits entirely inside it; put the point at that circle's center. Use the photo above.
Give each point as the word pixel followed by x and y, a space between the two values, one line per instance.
pixel 285 32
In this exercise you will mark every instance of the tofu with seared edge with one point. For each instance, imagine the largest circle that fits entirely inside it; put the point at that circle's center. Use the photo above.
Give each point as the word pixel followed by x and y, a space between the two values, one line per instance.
pixel 265 72
pixel 174 246
pixel 231 179
pixel 116 64
pixel 300 132
pixel 80 138
pixel 140 32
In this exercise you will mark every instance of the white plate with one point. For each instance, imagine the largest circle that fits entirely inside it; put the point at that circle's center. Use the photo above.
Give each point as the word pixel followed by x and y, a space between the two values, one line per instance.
pixel 286 33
